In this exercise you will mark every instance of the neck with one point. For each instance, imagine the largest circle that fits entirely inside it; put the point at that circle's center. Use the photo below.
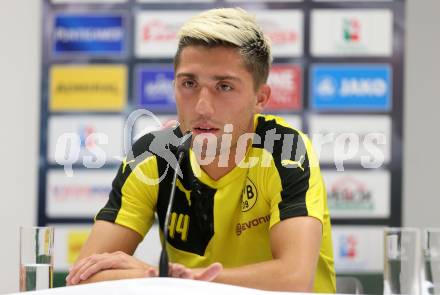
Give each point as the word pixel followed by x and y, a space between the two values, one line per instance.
pixel 217 168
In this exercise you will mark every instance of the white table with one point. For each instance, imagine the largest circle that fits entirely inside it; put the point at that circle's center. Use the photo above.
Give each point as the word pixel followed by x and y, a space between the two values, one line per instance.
pixel 156 286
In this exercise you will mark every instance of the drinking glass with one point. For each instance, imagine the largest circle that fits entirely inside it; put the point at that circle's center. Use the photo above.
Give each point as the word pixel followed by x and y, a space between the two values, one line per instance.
pixel 36 258
pixel 402 259
pixel 431 257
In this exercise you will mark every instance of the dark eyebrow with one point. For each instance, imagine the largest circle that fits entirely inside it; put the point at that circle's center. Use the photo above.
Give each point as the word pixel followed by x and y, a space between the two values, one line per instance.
pixel 216 77
pixel 189 75
pixel 227 78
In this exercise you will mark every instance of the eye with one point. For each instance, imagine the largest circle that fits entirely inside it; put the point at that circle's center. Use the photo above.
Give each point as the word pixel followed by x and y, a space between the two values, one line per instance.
pixel 189 83
pixel 224 87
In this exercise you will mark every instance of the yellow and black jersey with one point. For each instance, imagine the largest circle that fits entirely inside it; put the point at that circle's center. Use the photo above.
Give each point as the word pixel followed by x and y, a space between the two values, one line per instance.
pixel 226 220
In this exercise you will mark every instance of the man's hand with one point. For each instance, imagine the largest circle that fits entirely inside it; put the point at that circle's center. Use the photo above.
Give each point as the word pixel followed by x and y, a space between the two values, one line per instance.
pixel 87 267
pixel 95 263
pixel 205 274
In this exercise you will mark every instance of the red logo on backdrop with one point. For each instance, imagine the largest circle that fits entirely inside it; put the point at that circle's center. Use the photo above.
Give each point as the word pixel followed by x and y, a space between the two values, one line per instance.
pixel 279 34
pixel 352 30
pixel 282 37
pixel 158 31
pixel 349 189
pixel 78 192
pixel 348 247
pixel 285 82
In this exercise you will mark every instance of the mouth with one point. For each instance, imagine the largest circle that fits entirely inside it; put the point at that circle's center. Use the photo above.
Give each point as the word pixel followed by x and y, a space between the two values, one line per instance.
pixel 204 129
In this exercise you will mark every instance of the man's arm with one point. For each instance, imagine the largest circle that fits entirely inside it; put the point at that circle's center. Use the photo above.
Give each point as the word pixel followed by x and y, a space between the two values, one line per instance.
pixel 110 237
pixel 295 249
pixel 295 246
pixel 107 237
pixel 116 274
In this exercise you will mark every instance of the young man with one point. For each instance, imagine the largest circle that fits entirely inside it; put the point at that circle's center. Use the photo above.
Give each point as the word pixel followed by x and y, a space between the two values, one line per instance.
pixel 251 207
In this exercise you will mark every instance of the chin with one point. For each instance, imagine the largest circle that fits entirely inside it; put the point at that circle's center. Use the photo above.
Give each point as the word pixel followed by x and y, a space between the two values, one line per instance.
pixel 204 151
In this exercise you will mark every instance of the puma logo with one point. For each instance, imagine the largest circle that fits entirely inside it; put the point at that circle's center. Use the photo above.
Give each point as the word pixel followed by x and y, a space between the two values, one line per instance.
pixel 297 164
pixel 125 163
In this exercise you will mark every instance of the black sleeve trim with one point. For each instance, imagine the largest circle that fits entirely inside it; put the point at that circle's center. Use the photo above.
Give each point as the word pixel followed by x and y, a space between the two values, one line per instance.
pixel 292 210
pixel 294 180
pixel 107 214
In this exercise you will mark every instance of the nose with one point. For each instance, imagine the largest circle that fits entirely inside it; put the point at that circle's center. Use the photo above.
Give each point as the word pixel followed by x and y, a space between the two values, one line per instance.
pixel 204 105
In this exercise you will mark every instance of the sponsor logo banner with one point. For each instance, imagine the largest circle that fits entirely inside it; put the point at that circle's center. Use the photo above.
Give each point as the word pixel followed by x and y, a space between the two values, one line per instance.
pixel 89 34
pixel 175 1
pixel 70 238
pixel 88 88
pixel 361 139
pixel 263 1
pixel 155 89
pixel 79 196
pixel 351 32
pixel 156 32
pixel 75 241
pixel 69 241
pixel 285 82
pixel 352 0
pixel 87 1
pixel 358 193
pixel 91 141
pixel 284 28
pixel 358 249
pixel 351 87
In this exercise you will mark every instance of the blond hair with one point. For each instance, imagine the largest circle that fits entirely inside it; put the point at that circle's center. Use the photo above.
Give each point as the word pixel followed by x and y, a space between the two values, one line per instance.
pixel 229 27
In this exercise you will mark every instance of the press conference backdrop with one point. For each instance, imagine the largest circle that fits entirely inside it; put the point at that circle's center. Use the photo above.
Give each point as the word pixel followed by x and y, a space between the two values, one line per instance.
pixel 337 75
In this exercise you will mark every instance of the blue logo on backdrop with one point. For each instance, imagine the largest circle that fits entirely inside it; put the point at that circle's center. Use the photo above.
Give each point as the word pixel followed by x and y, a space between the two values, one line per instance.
pixel 89 34
pixel 351 87
pixel 155 88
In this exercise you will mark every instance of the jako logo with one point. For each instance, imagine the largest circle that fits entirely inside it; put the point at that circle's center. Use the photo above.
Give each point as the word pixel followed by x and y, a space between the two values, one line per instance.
pixel 348 246
pixel 327 86
pixel 352 87
pixel 241 227
pixel 347 86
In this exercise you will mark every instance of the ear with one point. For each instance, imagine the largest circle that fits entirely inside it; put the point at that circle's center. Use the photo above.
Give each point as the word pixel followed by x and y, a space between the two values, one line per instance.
pixel 263 96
